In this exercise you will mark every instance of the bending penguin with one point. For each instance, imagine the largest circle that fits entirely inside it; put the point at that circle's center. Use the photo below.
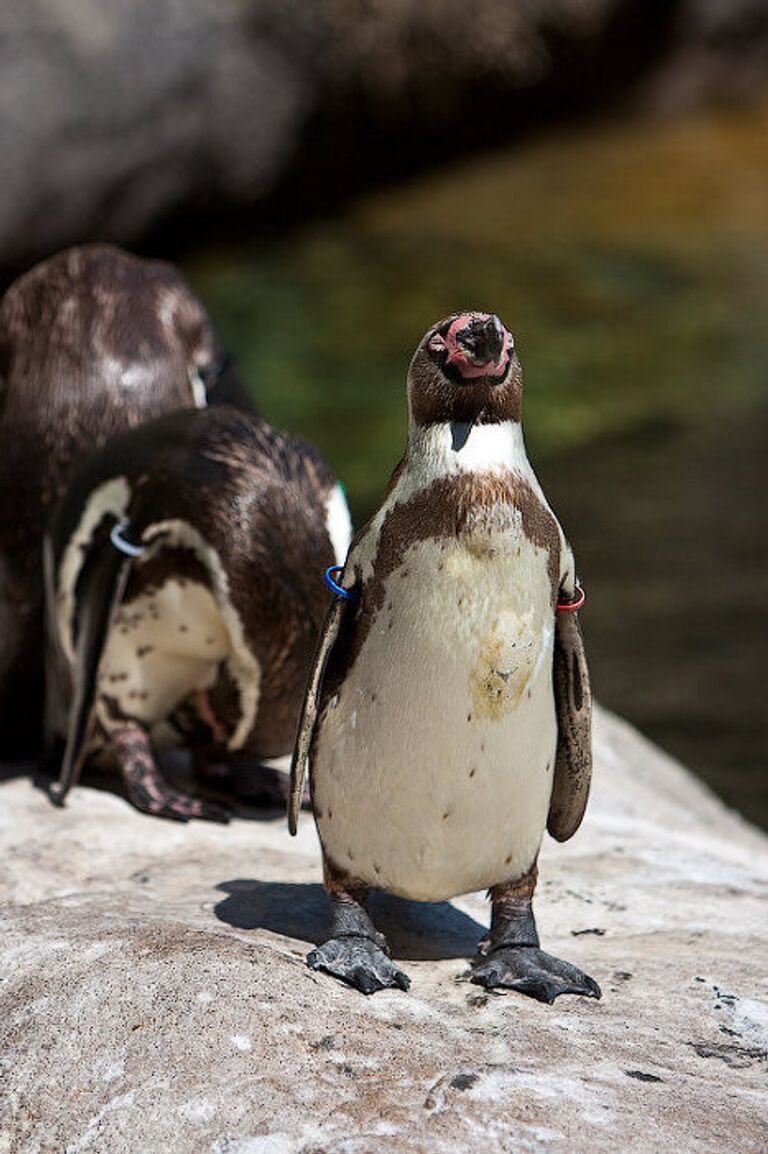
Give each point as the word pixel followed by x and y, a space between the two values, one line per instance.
pixel 183 591
pixel 447 719
pixel 92 341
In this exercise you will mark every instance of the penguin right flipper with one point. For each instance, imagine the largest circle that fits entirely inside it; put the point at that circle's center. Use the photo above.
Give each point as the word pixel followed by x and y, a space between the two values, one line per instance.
pixel 573 703
pixel 308 719
pixel 100 590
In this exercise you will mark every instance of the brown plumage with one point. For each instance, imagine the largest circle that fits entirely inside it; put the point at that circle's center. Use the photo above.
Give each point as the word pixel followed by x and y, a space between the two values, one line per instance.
pixel 93 341
pixel 225 508
pixel 447 719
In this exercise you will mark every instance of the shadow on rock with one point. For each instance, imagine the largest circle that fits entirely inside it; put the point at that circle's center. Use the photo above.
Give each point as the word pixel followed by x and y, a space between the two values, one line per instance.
pixel 34 770
pixel 416 931
pixel 252 793
pixel 11 769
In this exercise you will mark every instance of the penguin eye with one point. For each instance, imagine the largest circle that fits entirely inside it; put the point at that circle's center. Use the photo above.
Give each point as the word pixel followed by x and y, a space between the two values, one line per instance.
pixel 436 343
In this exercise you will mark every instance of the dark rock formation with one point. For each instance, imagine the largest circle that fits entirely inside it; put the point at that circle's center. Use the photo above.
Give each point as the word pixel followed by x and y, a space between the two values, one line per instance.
pixel 116 117
pixel 112 114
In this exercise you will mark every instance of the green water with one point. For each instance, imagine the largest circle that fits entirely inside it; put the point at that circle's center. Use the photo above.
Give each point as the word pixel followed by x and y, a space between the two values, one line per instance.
pixel 631 262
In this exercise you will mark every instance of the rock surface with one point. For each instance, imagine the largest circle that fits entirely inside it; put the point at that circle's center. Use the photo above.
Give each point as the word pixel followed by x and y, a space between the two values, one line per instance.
pixel 153 994
pixel 116 116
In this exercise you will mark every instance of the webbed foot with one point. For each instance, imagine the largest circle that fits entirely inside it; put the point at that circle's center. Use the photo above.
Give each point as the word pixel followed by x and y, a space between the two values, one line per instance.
pixel 531 971
pixel 359 961
pixel 145 786
pixel 248 780
pixel 154 796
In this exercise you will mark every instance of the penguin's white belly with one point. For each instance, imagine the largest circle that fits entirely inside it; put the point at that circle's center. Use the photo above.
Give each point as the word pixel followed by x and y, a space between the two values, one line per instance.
pixel 433 764
pixel 162 647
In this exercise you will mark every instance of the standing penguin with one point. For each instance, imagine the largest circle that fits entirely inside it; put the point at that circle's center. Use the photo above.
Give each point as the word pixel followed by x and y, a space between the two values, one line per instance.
pixel 183 588
pixel 92 341
pixel 447 720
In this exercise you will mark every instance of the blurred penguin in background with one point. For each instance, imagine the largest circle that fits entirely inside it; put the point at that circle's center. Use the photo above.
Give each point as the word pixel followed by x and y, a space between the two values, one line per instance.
pixel 93 342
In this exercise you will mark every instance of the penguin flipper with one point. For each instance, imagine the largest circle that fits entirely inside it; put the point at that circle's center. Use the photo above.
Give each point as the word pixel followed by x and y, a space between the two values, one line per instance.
pixel 100 591
pixel 308 719
pixel 573 705
pixel 55 662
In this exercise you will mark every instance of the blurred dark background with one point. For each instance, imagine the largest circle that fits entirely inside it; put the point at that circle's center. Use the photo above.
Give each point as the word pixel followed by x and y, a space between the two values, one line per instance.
pixel 333 176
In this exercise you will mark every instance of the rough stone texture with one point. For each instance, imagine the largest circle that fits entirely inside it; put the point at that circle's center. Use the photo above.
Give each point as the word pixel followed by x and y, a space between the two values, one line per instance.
pixel 113 113
pixel 116 115
pixel 720 46
pixel 153 994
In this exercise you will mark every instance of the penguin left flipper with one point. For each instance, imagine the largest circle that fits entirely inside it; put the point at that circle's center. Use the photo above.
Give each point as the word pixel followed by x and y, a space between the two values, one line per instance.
pixel 308 720
pixel 573 705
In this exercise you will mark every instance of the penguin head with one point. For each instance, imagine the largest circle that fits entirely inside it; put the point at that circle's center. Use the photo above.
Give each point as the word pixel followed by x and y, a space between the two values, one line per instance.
pixel 465 371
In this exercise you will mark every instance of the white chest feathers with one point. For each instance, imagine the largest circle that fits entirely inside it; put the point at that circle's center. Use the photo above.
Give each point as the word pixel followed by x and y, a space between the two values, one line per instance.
pixel 163 646
pixel 433 764
pixel 168 642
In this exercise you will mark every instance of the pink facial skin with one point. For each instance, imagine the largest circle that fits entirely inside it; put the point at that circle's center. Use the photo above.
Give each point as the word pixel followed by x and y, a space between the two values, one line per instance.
pixel 460 359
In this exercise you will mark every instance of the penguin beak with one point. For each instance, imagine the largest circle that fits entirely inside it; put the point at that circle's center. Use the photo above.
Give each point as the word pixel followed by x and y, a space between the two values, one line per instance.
pixel 476 345
pixel 482 341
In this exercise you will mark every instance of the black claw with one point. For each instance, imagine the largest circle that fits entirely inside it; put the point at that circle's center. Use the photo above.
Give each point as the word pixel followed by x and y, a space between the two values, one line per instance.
pixel 177 807
pixel 216 813
pixel 365 981
pixel 167 813
pixel 57 794
pixel 541 991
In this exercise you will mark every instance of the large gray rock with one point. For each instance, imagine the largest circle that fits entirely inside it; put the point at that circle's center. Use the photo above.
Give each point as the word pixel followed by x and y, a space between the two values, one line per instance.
pixel 115 115
pixel 154 997
pixel 719 49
